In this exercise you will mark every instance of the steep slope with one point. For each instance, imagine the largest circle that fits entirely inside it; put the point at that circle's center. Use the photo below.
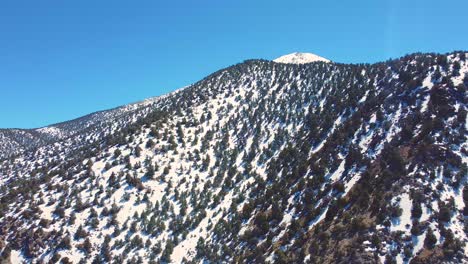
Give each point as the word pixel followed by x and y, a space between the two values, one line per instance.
pixel 259 162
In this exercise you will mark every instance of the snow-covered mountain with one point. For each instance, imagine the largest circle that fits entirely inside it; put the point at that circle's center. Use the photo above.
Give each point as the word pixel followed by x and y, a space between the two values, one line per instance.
pixel 300 58
pixel 261 162
pixel 94 126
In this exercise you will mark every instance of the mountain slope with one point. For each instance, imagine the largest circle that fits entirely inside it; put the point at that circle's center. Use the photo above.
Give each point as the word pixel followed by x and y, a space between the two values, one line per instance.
pixel 259 162
pixel 16 141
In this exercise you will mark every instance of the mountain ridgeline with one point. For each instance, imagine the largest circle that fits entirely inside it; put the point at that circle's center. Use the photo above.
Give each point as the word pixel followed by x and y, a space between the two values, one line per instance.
pixel 261 162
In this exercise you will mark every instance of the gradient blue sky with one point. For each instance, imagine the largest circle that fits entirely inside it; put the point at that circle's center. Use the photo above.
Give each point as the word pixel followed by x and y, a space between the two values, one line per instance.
pixel 62 59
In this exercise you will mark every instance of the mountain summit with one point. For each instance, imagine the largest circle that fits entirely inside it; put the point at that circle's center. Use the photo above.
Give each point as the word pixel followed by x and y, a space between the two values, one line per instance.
pixel 300 58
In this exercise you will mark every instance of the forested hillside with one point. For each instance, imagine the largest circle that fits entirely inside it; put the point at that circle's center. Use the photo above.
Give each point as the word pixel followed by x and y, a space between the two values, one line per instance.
pixel 261 162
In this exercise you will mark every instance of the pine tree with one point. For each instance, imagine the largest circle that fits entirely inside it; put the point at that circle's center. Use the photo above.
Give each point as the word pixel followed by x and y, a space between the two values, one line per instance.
pixel 430 240
pixel 416 211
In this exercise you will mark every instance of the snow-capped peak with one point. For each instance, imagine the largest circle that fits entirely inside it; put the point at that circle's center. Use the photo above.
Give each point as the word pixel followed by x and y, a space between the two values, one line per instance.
pixel 300 58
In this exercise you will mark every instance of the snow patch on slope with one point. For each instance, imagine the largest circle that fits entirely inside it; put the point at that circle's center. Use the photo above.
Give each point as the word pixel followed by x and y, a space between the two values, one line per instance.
pixel 51 130
pixel 404 221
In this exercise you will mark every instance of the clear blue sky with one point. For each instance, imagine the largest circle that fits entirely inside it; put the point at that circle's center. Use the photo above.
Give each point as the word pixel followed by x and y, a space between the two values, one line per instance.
pixel 62 59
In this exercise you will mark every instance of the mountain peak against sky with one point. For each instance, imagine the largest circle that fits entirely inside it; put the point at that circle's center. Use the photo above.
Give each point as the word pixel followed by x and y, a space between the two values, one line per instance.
pixel 292 162
pixel 300 58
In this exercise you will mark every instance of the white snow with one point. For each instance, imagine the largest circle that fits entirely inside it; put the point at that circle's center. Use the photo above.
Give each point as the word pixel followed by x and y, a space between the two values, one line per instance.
pixel 51 130
pixel 15 257
pixel 351 182
pixel 463 70
pixel 418 242
pixel 338 172
pixel 425 103
pixel 427 82
pixel 300 58
pixel 404 221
